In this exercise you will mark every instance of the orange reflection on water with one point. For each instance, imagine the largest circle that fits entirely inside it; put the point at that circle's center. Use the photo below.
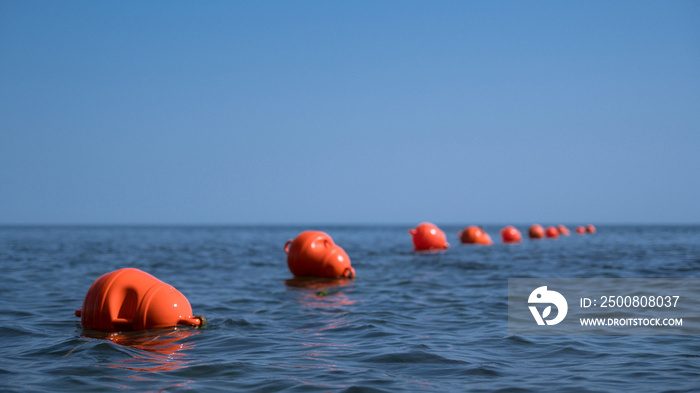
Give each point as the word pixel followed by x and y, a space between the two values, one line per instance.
pixel 324 292
pixel 152 351
pixel 325 298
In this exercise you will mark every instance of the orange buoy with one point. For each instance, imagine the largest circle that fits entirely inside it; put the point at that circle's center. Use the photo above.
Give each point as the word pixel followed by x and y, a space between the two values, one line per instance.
pixel 590 228
pixel 580 230
pixel 563 230
pixel 510 234
pixel 427 236
pixel 535 232
pixel 313 254
pixel 474 235
pixel 551 232
pixel 131 299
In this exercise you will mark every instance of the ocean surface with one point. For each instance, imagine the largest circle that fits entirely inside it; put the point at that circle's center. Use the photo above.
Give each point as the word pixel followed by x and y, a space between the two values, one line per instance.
pixel 408 322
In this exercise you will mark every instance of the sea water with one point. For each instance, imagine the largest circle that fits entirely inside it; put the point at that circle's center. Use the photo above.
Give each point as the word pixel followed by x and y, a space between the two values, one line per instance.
pixel 408 322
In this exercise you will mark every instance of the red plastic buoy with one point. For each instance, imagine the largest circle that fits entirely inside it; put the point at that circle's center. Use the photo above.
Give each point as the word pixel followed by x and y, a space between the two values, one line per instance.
pixel 427 237
pixel 580 230
pixel 510 234
pixel 314 254
pixel 536 231
pixel 590 228
pixel 551 232
pixel 474 235
pixel 131 299
pixel 563 230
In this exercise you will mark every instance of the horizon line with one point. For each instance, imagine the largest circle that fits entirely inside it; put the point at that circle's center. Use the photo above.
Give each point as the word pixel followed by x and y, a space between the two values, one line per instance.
pixel 283 224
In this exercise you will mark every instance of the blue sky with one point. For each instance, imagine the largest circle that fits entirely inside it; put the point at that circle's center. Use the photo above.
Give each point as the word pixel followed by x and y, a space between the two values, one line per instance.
pixel 249 112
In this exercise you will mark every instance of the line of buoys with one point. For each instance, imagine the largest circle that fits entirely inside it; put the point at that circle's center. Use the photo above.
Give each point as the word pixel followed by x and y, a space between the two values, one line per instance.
pixel 582 230
pixel 474 235
pixel 510 235
pixel 131 299
pixel 428 237
pixel 314 254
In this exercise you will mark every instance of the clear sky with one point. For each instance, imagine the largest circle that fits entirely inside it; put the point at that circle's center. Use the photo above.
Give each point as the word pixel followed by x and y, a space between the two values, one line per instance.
pixel 246 112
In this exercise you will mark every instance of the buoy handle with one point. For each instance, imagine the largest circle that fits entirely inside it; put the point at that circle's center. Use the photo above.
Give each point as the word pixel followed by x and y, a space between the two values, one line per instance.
pixel 197 320
pixel 349 273
pixel 287 245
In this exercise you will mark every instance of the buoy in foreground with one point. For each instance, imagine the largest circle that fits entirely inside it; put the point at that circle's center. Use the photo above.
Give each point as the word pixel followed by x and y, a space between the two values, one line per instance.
pixel 551 232
pixel 510 234
pixel 590 228
pixel 580 230
pixel 131 299
pixel 536 231
pixel 474 235
pixel 563 230
pixel 427 237
pixel 314 254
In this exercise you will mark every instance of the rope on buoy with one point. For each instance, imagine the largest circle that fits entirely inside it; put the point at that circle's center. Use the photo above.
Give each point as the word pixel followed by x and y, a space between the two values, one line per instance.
pixel 202 320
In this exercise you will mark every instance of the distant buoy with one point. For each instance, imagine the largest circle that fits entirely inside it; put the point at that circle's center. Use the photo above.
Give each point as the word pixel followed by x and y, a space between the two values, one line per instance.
pixel 314 254
pixel 510 234
pixel 590 228
pixel 563 230
pixel 427 237
pixel 536 232
pixel 551 232
pixel 474 235
pixel 131 299
pixel 580 230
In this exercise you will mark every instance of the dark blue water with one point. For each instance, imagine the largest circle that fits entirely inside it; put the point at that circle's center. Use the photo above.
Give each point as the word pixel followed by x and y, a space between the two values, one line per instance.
pixel 409 322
